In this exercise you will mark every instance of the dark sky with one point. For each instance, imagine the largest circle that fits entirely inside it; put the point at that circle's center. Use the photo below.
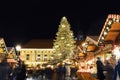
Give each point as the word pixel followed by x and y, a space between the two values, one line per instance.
pixel 22 20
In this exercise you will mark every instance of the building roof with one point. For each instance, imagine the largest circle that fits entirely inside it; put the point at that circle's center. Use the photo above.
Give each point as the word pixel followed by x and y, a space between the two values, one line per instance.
pixel 109 34
pixel 92 39
pixel 111 30
pixel 39 43
pixel 92 42
pixel 3 48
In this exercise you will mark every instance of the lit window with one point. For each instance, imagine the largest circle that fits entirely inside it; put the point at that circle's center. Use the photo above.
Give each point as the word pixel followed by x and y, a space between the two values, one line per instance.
pixel 45 59
pixel 27 57
pixel 38 57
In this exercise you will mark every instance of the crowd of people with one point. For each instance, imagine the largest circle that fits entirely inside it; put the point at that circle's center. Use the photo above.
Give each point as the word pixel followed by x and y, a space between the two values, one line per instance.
pixel 19 72
pixel 108 71
pixel 61 72
pixel 12 72
pixel 105 71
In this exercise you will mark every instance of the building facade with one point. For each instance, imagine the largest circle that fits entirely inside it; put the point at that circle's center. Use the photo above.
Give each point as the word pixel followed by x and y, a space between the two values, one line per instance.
pixel 36 52
pixel 35 56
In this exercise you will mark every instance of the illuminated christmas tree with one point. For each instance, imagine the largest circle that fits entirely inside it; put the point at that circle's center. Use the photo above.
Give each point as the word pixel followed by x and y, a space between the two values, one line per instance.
pixel 64 44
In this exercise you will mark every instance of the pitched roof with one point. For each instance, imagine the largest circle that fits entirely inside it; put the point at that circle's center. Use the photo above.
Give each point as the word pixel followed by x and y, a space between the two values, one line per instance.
pixel 93 39
pixel 111 29
pixel 39 43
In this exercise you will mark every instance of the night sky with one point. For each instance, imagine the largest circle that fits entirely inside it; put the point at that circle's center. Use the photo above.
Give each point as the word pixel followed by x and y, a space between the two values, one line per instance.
pixel 21 21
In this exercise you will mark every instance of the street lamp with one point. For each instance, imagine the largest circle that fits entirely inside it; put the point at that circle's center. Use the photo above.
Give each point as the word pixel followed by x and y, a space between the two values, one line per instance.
pixel 18 48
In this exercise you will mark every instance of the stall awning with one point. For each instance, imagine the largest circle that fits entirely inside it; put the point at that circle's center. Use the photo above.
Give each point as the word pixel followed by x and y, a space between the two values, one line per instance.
pixel 111 30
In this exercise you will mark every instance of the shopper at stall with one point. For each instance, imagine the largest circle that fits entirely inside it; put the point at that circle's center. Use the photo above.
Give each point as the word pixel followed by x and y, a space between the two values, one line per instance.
pixel 109 70
pixel 116 75
pixel 100 66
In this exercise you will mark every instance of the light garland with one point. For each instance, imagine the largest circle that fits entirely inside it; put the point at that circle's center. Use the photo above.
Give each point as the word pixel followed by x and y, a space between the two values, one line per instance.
pixel 107 28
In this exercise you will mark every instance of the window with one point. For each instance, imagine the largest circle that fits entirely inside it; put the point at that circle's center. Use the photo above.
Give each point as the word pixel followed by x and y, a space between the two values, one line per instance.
pixel 38 57
pixel 45 57
pixel 27 57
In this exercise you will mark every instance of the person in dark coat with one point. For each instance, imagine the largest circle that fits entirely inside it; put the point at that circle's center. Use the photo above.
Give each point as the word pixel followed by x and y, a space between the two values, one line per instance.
pixel 5 70
pixel 61 71
pixel 49 73
pixel 21 72
pixel 109 71
pixel 117 71
pixel 100 65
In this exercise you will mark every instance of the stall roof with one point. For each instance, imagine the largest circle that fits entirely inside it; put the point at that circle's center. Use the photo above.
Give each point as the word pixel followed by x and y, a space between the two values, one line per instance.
pixel 111 30
pixel 92 44
pixel 109 34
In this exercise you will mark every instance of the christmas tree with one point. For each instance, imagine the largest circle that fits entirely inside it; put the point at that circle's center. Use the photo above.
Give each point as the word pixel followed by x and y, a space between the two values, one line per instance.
pixel 64 44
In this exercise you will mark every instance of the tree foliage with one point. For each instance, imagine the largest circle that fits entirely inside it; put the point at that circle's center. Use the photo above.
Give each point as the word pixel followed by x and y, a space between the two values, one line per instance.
pixel 64 44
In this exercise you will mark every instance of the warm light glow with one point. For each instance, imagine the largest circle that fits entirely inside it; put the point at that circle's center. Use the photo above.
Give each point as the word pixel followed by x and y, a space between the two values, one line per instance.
pixel 105 33
pixel 114 19
pixel 63 25
pixel 56 46
pixel 117 20
pixel 83 44
pixel 59 54
pixel 18 47
pixel 102 38
pixel 110 22
pixel 100 42
pixel 117 52
pixel 71 34
pixel 62 37
pixel 107 28
pixel 84 51
pixel 64 17
pixel 52 58
pixel 68 44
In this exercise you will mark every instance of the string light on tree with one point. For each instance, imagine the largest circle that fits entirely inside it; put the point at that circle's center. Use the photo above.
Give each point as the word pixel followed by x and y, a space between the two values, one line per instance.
pixel 64 43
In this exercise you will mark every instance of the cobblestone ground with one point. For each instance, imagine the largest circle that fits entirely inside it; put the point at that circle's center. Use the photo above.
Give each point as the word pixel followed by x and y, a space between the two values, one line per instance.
pixel 53 78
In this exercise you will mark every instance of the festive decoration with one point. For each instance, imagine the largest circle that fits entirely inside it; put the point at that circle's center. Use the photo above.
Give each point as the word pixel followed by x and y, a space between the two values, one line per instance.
pixel 64 44
pixel 3 48
pixel 109 22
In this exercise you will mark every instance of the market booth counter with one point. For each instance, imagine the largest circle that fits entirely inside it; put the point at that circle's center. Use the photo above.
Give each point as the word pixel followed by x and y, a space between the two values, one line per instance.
pixel 87 70
pixel 85 76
